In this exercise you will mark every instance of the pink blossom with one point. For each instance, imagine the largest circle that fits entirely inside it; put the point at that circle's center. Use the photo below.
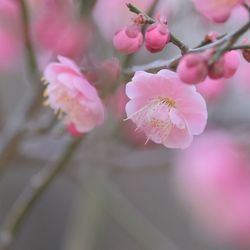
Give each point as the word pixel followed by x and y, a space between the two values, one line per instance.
pixel 243 75
pixel 128 40
pixel 216 10
pixel 166 110
pixel 157 36
pixel 61 34
pixel 211 89
pixel 192 69
pixel 70 94
pixel 214 180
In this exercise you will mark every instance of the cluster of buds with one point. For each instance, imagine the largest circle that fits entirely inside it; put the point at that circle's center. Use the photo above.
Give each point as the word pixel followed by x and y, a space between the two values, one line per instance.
pixel 130 38
pixel 195 68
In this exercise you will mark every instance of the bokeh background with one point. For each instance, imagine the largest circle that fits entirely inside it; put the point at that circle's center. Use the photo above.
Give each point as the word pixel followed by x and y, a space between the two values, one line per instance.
pixel 117 192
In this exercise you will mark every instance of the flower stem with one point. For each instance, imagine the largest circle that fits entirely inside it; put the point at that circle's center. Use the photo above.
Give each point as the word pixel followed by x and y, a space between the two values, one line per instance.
pixel 30 53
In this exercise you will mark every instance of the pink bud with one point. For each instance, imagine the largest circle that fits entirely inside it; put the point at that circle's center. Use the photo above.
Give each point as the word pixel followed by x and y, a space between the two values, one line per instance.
pixel 72 130
pixel 157 36
pixel 192 69
pixel 128 40
pixel 232 62
pixel 226 66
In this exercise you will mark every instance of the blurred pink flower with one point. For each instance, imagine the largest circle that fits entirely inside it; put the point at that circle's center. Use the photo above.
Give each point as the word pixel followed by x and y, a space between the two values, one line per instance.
pixel 243 75
pixel 62 34
pixel 10 49
pixel 71 94
pixel 212 90
pixel 213 177
pixel 168 111
pixel 216 10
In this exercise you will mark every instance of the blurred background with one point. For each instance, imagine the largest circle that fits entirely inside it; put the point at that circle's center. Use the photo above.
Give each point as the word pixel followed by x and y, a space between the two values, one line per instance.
pixel 114 191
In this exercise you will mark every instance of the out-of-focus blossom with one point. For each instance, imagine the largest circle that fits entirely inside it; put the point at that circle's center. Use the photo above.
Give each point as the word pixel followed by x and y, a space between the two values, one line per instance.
pixel 61 34
pixel 216 10
pixel 108 24
pixel 109 71
pixel 70 94
pixel 128 40
pixel 168 111
pixel 212 90
pixel 192 68
pixel 10 49
pixel 214 179
pixel 242 76
pixel 157 35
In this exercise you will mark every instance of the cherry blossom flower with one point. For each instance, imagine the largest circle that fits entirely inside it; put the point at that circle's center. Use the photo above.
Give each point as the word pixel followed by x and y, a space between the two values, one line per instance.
pixel 72 96
pixel 213 177
pixel 168 111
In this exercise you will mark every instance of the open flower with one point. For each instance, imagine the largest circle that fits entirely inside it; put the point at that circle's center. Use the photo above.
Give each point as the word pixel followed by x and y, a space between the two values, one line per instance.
pixel 168 111
pixel 71 95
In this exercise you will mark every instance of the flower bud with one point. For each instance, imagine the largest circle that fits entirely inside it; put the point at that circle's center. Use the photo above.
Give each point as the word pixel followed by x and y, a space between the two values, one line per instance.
pixel 226 66
pixel 128 40
pixel 157 36
pixel 192 69
pixel 231 63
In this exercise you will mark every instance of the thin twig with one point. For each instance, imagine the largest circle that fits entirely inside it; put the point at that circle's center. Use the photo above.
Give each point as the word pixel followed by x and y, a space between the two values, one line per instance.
pixel 30 53
pixel 172 63
pixel 37 186
pixel 150 20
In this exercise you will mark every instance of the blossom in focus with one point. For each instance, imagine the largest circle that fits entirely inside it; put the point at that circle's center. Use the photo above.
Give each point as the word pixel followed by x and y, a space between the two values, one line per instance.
pixel 70 94
pixel 157 36
pixel 213 177
pixel 216 10
pixel 192 68
pixel 128 40
pixel 168 111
